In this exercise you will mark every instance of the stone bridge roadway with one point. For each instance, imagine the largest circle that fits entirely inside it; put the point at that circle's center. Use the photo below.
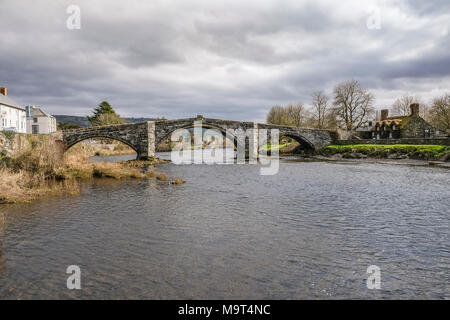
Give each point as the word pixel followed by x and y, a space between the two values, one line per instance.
pixel 143 137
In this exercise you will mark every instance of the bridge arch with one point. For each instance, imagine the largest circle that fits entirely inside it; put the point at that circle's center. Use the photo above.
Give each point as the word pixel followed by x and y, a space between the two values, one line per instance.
pixel 290 132
pixel 303 141
pixel 86 137
pixel 134 135
pixel 167 134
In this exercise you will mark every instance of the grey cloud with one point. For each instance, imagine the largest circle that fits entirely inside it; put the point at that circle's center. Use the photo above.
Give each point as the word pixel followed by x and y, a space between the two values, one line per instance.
pixel 227 60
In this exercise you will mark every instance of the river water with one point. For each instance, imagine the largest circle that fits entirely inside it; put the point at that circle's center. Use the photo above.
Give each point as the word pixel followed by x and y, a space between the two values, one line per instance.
pixel 310 231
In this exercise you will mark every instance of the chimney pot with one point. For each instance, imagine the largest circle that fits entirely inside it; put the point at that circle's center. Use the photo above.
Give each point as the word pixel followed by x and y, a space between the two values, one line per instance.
pixel 3 91
pixel 384 114
pixel 414 109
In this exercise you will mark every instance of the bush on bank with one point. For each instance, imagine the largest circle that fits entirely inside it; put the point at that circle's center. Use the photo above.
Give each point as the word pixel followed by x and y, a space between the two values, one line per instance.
pixel 41 167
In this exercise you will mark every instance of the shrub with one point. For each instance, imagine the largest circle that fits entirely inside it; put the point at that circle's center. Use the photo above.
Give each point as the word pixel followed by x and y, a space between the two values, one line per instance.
pixel 178 181
pixel 150 174
pixel 161 177
pixel 9 134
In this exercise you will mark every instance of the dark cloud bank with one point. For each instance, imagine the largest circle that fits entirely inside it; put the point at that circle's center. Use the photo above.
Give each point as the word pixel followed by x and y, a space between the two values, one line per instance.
pixel 231 60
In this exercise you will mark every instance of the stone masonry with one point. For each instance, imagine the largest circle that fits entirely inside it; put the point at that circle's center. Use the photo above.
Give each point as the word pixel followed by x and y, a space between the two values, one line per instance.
pixel 143 137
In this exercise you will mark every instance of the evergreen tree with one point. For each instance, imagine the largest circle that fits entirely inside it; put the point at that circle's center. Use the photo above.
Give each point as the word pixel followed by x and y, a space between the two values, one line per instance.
pixel 103 115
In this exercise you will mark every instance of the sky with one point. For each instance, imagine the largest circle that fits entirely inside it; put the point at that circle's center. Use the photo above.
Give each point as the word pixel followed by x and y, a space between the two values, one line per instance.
pixel 222 59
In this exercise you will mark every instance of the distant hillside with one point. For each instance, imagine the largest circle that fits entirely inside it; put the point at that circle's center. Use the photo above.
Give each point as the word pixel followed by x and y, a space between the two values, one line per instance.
pixel 82 121
pixel 133 120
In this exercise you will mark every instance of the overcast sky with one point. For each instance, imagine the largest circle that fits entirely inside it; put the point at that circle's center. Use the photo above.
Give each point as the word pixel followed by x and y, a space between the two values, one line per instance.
pixel 224 59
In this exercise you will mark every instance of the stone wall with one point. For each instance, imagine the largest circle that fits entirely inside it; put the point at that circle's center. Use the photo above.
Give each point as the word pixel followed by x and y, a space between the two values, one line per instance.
pixel 7 143
pixel 415 128
pixel 12 143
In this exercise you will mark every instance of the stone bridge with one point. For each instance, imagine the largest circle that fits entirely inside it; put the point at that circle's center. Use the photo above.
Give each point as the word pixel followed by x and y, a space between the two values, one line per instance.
pixel 144 137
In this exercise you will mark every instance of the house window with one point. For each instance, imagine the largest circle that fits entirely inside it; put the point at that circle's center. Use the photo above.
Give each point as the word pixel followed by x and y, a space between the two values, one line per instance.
pixel 35 129
pixel 35 120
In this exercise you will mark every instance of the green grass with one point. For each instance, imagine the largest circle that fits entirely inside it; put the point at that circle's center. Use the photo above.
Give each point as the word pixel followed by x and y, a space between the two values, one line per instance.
pixel 274 146
pixel 418 151
pixel 394 147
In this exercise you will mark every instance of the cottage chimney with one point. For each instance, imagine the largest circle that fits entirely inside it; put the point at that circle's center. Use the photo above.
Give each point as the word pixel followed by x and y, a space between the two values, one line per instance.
pixel 3 91
pixel 414 109
pixel 384 114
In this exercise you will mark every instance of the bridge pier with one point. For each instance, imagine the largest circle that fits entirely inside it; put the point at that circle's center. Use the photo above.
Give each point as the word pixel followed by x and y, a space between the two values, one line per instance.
pixel 148 143
pixel 252 147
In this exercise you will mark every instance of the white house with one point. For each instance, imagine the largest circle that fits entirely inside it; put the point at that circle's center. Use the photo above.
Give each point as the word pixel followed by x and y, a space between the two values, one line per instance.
pixel 39 121
pixel 12 116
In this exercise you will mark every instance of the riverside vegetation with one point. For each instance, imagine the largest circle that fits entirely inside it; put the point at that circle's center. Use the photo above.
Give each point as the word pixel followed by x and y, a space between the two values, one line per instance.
pixel 40 167
pixel 376 151
pixel 395 151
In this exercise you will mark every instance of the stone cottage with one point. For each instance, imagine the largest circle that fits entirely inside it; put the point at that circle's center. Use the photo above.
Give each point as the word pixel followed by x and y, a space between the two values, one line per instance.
pixel 396 127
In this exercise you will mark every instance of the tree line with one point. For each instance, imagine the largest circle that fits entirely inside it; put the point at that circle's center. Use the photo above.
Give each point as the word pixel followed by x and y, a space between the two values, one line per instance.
pixel 352 107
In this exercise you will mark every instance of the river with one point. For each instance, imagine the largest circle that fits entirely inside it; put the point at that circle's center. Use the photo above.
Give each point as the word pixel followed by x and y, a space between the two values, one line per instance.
pixel 310 231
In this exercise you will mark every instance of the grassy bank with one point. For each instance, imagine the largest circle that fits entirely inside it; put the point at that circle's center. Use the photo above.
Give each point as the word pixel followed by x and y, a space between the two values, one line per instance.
pixel 112 149
pixel 270 147
pixel 395 151
pixel 106 149
pixel 43 169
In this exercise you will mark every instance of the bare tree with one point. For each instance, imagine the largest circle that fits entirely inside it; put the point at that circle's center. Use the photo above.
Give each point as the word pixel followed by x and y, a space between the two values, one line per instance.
pixel 352 104
pixel 332 119
pixel 440 112
pixel 296 115
pixel 292 115
pixel 424 112
pixel 401 106
pixel 276 115
pixel 321 110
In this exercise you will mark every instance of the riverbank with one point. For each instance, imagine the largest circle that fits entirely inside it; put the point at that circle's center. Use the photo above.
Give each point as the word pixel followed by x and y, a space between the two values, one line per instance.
pixel 402 162
pixel 395 152
pixel 410 155
pixel 41 168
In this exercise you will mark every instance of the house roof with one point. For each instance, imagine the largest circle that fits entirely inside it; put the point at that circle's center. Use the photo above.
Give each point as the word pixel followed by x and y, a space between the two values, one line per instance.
pixel 38 112
pixel 395 120
pixel 7 101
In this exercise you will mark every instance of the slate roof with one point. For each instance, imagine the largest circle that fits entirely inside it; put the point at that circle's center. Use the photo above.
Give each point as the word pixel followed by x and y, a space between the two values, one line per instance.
pixel 38 112
pixel 7 101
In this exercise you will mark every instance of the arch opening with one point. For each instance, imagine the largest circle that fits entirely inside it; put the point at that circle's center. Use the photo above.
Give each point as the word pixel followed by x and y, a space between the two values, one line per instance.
pixel 294 144
pixel 165 144
pixel 101 146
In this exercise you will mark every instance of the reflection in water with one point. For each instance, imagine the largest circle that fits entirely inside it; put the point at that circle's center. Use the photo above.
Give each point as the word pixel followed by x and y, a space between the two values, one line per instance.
pixel 310 231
